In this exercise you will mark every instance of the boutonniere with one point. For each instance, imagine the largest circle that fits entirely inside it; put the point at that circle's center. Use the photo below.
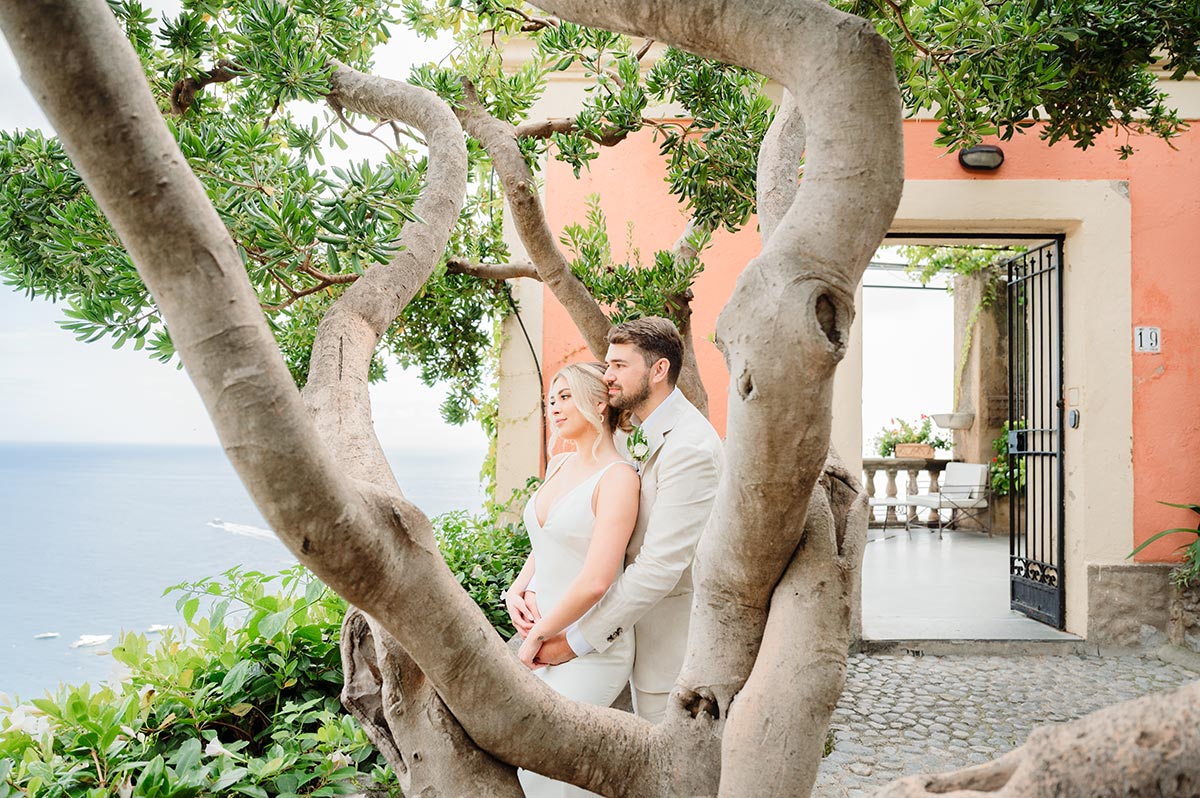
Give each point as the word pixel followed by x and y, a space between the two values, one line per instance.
pixel 638 446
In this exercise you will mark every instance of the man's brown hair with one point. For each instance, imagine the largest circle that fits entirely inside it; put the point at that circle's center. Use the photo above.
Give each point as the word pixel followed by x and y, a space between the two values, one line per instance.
pixel 657 338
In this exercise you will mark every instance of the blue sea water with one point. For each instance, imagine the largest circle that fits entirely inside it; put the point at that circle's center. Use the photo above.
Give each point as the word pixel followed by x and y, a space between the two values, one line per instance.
pixel 91 535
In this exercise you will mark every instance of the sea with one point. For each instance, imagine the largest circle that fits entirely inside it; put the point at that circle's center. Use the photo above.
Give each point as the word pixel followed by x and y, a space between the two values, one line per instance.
pixel 91 535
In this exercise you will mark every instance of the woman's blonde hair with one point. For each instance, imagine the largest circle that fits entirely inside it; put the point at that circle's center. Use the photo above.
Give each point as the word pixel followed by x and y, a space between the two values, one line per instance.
pixel 586 381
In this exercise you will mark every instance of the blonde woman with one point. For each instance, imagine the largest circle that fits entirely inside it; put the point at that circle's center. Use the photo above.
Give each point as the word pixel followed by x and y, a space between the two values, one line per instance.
pixel 579 522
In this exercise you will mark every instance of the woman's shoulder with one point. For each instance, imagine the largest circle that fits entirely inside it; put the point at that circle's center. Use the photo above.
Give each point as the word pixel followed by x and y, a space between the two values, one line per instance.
pixel 619 470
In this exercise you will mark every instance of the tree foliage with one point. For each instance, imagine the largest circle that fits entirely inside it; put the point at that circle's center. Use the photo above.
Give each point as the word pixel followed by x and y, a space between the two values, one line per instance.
pixel 1066 69
pixel 238 79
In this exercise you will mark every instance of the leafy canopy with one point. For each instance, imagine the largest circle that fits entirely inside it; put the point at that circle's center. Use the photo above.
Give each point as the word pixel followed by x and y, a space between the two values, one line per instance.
pixel 242 84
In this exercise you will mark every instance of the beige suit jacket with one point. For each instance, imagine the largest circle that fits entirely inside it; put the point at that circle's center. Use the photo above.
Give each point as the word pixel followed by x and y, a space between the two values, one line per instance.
pixel 654 594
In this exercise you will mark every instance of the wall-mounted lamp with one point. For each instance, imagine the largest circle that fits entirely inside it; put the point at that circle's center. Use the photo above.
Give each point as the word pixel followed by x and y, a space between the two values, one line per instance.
pixel 981 157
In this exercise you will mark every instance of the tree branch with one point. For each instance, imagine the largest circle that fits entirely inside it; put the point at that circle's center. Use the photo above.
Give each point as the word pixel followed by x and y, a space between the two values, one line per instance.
pixel 337 389
pixel 532 23
pixel 1145 747
pixel 787 323
pixel 690 382
pixel 184 92
pixel 500 141
pixel 492 271
pixel 778 165
pixel 547 127
pixel 409 723
pixel 370 134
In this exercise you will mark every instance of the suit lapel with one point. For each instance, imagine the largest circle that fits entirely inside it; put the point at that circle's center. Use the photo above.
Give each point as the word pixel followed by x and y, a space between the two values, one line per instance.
pixel 662 426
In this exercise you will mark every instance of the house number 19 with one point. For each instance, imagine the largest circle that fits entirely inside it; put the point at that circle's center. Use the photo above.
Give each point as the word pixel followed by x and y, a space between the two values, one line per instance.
pixel 1147 339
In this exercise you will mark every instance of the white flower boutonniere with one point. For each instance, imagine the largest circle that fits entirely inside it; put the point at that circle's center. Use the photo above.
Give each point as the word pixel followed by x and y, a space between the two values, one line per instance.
pixel 638 446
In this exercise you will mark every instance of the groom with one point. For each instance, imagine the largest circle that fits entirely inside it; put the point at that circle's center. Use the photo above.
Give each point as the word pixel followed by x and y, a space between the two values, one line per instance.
pixel 680 465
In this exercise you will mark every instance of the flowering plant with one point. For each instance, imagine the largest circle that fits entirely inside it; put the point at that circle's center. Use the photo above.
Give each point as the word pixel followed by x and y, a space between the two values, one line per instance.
pixel 920 431
pixel 637 445
pixel 1003 480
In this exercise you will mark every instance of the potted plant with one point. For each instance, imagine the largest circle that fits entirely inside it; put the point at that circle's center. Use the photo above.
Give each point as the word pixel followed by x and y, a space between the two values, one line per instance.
pixel 907 439
pixel 1005 481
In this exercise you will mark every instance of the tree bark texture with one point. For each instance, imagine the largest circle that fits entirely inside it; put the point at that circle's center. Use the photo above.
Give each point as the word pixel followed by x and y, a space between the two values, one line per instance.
pixel 409 723
pixel 499 139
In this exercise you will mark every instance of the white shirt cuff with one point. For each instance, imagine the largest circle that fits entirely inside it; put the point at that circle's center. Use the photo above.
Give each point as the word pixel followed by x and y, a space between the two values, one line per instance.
pixel 532 586
pixel 577 641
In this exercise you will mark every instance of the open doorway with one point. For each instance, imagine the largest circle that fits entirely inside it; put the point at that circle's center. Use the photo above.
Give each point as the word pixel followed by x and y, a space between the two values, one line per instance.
pixel 962 356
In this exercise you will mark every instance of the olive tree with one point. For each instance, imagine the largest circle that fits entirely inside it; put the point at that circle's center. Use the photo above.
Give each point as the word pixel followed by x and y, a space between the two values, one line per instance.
pixel 453 710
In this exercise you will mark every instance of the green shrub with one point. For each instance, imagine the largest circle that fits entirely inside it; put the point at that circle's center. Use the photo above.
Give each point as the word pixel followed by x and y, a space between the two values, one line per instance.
pixel 1005 481
pixel 486 556
pixel 241 699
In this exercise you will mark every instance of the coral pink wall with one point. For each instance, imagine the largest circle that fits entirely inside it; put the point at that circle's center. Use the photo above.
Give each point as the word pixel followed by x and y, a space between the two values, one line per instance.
pixel 1164 187
pixel 639 210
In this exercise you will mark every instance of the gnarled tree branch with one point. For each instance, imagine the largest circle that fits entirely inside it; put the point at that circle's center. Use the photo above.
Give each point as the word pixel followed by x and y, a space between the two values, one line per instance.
pixel 184 92
pixel 785 327
pixel 520 190
pixel 337 388
pixel 545 128
pixel 1145 748
pixel 123 150
pixel 492 271
pixel 778 164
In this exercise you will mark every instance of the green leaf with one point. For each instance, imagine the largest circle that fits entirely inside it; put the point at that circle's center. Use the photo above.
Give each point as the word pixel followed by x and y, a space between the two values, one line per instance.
pixel 189 609
pixel 273 624
pixel 1195 508
pixel 237 676
pixel 1162 534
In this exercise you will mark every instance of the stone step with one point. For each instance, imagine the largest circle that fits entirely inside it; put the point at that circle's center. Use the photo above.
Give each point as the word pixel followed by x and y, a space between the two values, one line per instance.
pixel 1076 646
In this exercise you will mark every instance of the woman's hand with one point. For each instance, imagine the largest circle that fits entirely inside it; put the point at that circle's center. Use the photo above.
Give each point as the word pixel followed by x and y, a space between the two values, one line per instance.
pixel 529 649
pixel 522 610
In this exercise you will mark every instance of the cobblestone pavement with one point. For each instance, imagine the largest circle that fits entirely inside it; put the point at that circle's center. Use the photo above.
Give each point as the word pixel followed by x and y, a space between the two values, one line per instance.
pixel 901 715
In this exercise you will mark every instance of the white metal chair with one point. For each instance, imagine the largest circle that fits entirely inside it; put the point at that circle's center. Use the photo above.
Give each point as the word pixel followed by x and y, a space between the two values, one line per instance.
pixel 964 491
pixel 896 504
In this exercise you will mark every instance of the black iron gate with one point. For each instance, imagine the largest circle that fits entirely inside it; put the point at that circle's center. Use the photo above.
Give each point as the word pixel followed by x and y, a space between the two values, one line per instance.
pixel 1035 424
pixel 1036 416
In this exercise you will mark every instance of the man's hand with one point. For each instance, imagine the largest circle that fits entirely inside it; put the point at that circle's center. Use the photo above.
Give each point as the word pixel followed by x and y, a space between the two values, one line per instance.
pixel 522 609
pixel 554 651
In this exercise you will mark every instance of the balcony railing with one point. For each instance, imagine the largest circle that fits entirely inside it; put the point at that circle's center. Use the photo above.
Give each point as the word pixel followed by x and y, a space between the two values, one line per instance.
pixel 893 467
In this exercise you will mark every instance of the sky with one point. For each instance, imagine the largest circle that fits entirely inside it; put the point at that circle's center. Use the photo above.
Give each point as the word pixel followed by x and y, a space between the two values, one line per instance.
pixel 53 388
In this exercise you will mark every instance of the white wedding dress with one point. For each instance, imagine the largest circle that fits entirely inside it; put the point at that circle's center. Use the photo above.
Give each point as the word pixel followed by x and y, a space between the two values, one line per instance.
pixel 560 548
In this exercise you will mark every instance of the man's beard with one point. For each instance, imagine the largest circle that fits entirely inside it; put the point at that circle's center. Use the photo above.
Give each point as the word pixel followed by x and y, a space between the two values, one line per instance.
pixel 629 401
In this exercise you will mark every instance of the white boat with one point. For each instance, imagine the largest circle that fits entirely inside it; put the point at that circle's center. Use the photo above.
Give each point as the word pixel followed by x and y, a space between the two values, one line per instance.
pixel 157 628
pixel 86 641
pixel 45 635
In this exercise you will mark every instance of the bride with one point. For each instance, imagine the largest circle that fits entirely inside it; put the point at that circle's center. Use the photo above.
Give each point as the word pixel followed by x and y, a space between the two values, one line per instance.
pixel 579 523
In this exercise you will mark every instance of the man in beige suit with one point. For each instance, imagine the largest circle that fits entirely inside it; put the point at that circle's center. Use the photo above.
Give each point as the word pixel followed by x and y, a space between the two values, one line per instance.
pixel 680 460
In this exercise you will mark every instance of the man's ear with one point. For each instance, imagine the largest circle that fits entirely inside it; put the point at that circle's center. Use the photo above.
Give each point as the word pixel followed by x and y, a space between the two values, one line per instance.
pixel 660 370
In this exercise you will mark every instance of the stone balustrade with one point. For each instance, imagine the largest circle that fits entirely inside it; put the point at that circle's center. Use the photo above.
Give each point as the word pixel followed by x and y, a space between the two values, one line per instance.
pixel 892 467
